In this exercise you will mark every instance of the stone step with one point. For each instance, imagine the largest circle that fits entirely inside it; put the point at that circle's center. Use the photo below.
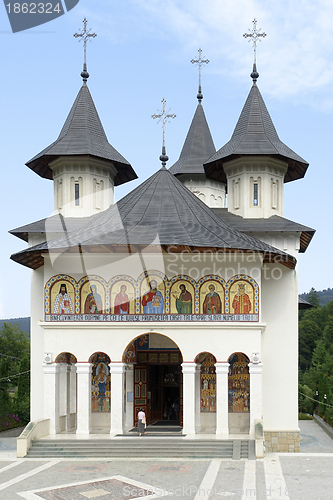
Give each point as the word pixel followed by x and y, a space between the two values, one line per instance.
pixel 143 447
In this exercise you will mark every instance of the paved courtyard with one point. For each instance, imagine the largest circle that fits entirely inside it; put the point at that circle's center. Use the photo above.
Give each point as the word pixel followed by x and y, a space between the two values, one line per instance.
pixel 303 476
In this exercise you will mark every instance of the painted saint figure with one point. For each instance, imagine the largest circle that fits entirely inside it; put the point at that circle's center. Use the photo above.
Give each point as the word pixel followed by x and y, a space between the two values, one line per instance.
pixel 121 302
pixel 212 302
pixel 241 302
pixel 152 301
pixel 184 301
pixel 93 303
pixel 63 303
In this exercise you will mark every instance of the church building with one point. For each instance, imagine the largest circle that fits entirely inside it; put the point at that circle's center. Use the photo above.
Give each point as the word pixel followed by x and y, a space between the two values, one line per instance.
pixel 182 298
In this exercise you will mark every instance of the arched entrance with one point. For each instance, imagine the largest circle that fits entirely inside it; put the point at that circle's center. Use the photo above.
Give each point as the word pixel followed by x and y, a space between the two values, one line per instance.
pixel 157 378
pixel 239 394
pixel 67 390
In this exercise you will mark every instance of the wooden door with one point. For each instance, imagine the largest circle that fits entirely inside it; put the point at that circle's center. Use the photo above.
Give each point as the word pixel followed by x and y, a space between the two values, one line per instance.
pixel 140 390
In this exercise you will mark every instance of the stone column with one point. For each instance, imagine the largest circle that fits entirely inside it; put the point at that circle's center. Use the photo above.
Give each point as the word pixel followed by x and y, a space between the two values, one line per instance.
pixel 68 401
pixel 222 370
pixel 189 370
pixel 63 396
pixel 117 397
pixel 197 397
pixel 255 394
pixel 83 425
pixel 51 395
pixel 72 408
pixel 129 388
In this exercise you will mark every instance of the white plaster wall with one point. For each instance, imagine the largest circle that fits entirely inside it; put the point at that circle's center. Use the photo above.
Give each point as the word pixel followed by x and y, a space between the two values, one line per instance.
pixel 171 264
pixel 280 339
pixel 242 173
pixel 37 345
pixel 211 192
pixel 84 338
pixel 95 178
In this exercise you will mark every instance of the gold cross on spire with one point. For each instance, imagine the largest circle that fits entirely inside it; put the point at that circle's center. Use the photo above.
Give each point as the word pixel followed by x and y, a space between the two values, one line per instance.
pixel 254 35
pixel 85 36
pixel 199 62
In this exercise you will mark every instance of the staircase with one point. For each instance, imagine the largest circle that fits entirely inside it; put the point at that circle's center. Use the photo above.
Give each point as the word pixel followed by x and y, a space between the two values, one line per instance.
pixel 143 447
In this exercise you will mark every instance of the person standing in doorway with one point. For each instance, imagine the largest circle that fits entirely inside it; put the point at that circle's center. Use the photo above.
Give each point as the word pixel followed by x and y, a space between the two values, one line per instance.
pixel 141 422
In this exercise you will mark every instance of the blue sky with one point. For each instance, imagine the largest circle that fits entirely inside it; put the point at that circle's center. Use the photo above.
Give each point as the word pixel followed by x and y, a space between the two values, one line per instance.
pixel 142 53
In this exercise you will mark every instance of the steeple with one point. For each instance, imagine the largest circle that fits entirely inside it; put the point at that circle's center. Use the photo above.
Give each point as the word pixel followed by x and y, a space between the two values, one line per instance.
pixel 198 148
pixel 255 163
pixel 84 166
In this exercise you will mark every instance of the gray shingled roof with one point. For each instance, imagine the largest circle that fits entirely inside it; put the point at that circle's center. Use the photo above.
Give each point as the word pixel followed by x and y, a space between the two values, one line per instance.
pixel 255 134
pixel 54 224
pixel 82 134
pixel 160 212
pixel 273 224
pixel 303 304
pixel 198 146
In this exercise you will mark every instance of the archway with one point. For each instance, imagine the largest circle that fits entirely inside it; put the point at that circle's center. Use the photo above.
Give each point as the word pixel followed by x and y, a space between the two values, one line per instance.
pixel 239 394
pixel 156 382
pixel 100 391
pixel 68 390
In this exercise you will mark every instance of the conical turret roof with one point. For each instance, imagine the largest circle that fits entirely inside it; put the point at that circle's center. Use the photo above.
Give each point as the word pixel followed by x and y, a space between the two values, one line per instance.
pixel 163 213
pixel 82 134
pixel 198 146
pixel 255 134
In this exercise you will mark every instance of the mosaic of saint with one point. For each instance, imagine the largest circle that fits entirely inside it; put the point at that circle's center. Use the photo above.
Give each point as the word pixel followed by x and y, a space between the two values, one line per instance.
pixel 152 296
pixel 238 384
pixel 123 298
pixel 212 298
pixel 92 298
pixel 180 298
pixel 182 295
pixel 207 382
pixel 241 297
pixel 62 297
pixel 100 383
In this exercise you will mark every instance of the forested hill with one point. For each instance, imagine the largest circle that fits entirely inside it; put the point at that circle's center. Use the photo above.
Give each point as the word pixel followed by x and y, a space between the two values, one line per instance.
pixel 325 296
pixel 24 323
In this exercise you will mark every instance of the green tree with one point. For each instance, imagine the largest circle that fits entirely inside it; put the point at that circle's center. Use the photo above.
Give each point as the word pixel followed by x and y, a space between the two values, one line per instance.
pixel 13 342
pixel 309 334
pixel 22 402
pixel 313 298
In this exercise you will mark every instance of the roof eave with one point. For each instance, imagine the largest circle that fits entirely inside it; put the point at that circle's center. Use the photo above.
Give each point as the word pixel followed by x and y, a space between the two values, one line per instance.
pixel 33 258
pixel 41 166
pixel 214 169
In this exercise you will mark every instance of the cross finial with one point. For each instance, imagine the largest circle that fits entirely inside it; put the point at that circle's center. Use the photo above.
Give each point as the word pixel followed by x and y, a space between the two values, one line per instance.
pixel 255 36
pixel 164 117
pixel 199 63
pixel 85 36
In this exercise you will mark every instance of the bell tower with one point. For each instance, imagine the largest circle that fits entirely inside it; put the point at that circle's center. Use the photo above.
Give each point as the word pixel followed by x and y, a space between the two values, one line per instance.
pixel 81 162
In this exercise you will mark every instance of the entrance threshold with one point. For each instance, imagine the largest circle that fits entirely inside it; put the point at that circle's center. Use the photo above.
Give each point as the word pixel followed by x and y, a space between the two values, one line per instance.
pixel 160 427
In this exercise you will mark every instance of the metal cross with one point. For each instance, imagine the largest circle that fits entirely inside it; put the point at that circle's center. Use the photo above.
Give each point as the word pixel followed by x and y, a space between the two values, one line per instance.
pixel 85 36
pixel 200 62
pixel 163 116
pixel 255 36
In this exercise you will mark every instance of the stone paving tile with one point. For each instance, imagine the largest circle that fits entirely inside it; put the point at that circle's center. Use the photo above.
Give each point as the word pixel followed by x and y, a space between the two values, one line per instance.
pixel 3 463
pixel 21 468
pixel 229 481
pixel 260 481
pixel 165 479
pixel 308 478
pixel 314 439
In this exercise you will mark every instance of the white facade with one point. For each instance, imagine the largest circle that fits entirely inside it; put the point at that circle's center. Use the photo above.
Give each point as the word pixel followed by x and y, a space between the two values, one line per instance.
pixel 83 185
pixel 255 186
pixel 273 381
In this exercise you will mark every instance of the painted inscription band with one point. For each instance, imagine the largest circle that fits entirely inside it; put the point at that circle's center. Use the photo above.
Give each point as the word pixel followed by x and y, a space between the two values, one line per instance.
pixel 151 317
